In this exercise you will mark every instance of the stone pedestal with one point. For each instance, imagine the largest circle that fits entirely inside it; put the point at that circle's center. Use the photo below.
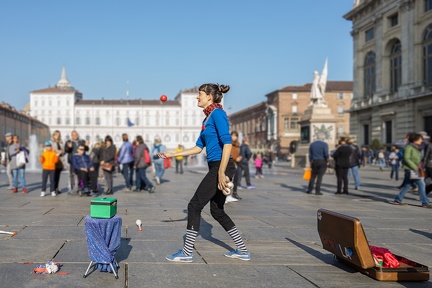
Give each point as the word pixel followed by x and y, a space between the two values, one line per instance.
pixel 317 120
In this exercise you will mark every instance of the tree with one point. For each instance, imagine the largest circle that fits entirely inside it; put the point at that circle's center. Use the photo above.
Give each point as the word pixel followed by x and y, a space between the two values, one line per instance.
pixel 376 144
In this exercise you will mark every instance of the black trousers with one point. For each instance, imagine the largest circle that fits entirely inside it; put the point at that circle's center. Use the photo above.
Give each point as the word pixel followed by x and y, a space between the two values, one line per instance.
pixel 244 166
pixel 45 175
pixel 89 179
pixel 57 174
pixel 207 192
pixel 318 167
pixel 342 177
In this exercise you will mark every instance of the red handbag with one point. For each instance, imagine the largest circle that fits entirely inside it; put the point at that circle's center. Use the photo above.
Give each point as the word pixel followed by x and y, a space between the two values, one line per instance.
pixel 146 157
pixel 167 163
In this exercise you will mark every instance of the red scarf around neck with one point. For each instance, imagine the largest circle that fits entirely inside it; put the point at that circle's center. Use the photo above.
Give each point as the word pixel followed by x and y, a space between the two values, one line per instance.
pixel 211 107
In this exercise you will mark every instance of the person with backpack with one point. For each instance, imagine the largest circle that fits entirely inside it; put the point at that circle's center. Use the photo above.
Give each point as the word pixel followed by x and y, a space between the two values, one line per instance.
pixel 142 161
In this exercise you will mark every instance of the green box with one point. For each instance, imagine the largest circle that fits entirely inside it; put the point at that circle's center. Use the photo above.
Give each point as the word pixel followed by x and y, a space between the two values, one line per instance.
pixel 104 208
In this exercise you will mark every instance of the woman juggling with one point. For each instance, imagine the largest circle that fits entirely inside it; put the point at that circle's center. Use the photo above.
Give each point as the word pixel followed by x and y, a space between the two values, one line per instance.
pixel 216 138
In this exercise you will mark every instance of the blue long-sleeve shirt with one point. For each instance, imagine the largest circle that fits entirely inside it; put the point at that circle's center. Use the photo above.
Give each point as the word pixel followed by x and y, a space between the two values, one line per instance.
pixel 126 152
pixel 318 150
pixel 215 135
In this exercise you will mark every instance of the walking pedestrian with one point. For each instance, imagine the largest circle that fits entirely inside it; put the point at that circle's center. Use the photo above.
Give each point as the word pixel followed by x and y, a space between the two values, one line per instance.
pixel 411 163
pixel 108 156
pixel 394 162
pixel 58 147
pixel 158 162
pixel 126 159
pixel 235 154
pixel 217 140
pixel 7 160
pixel 342 159
pixel 17 165
pixel 140 166
pixel 245 154
pixel 48 159
pixel 355 162
pixel 318 157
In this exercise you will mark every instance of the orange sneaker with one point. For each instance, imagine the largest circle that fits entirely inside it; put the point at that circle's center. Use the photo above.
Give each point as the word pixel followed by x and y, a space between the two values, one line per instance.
pixel 15 189
pixel 25 191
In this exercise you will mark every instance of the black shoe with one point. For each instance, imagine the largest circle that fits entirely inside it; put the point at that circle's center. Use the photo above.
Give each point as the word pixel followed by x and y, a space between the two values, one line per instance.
pixel 235 195
pixel 58 191
pixel 308 192
pixel 346 193
pixel 318 193
pixel 356 188
pixel 337 193
pixel 109 192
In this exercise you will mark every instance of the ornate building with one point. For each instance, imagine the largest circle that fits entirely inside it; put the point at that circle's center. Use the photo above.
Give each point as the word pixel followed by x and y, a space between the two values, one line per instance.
pixel 273 124
pixel 392 69
pixel 63 108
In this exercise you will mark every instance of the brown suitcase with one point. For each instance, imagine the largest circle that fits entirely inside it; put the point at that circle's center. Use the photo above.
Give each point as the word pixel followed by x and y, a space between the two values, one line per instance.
pixel 344 236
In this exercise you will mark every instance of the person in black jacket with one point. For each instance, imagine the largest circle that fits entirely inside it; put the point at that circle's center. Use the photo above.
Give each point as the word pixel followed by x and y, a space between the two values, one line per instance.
pixel 342 158
pixel 245 154
pixel 108 156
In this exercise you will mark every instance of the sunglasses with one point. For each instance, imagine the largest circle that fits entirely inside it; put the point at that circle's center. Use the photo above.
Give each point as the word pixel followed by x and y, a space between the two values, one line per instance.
pixel 81 149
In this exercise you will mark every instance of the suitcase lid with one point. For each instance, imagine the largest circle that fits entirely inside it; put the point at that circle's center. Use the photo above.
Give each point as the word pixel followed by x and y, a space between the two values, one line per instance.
pixel 344 236
pixel 103 201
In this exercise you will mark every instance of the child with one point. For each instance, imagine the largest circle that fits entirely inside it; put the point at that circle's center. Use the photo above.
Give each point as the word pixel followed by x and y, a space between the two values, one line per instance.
pixel 258 166
pixel 394 162
pixel 48 159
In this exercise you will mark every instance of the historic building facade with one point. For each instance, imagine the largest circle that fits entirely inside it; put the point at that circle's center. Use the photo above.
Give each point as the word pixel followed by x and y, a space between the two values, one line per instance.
pixel 273 124
pixel 392 69
pixel 63 108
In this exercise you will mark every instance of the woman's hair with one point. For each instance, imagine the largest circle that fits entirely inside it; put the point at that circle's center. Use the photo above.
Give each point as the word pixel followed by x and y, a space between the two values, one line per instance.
pixel 139 139
pixel 125 137
pixel 57 132
pixel 108 138
pixel 234 133
pixel 216 90
pixel 414 137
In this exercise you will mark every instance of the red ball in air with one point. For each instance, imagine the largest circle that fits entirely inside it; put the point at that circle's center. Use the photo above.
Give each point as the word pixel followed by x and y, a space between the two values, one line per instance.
pixel 163 98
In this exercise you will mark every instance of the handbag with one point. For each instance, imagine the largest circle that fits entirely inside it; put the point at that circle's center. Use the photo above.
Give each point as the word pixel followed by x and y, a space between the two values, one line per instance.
pixel 146 157
pixel 307 174
pixel 107 167
pixel 414 175
pixel 331 164
pixel 20 159
pixel 167 163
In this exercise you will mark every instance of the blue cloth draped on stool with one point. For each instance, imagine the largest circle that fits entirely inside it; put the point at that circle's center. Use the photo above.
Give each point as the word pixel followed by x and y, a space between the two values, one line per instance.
pixel 103 240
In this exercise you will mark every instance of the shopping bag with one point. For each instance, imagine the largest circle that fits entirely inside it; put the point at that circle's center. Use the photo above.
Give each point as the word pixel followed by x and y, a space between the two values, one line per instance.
pixel 20 159
pixel 167 163
pixel 307 174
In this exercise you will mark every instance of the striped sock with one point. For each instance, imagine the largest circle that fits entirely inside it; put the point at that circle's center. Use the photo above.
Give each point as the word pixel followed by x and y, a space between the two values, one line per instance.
pixel 238 241
pixel 189 241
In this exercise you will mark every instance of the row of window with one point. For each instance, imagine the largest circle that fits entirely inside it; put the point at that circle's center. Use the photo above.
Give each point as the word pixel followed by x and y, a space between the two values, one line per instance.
pixel 395 67
pixel 340 96
pixel 118 121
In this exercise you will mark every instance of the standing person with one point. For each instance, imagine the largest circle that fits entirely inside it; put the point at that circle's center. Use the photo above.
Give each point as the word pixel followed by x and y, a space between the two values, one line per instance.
pixel 245 154
pixel 179 159
pixel 269 158
pixel 71 148
pixel 158 162
pixel 108 156
pixel 355 162
pixel 235 153
pixel 318 157
pixel 6 161
pixel 365 156
pixel 95 156
pixel 48 160
pixel 58 148
pixel 217 140
pixel 342 159
pixel 259 165
pixel 126 159
pixel 394 162
pixel 18 170
pixel 411 164
pixel 140 166
pixel 381 159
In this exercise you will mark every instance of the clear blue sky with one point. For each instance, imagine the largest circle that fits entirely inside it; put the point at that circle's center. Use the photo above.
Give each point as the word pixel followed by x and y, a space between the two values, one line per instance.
pixel 162 47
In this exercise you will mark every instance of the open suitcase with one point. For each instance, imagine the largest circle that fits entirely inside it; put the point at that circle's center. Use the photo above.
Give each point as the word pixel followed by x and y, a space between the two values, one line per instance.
pixel 344 237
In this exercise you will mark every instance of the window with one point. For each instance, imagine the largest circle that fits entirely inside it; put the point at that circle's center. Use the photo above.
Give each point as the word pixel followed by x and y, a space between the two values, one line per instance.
pixel 340 110
pixel 369 34
pixel 395 66
pixel 58 121
pixel 393 20
pixel 137 121
pixel 67 121
pixel 97 121
pixel 340 96
pixel 87 121
pixel 35 103
pixel 294 123
pixel 366 134
pixel 87 137
pixel 388 132
pixel 117 121
pixel 286 123
pixel 427 56
pixel 369 75
pixel 294 109
pixel 78 121
pixel 294 96
pixel 428 5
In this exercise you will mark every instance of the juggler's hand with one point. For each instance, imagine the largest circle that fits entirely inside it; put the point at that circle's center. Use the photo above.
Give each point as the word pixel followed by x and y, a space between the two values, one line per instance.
pixel 164 155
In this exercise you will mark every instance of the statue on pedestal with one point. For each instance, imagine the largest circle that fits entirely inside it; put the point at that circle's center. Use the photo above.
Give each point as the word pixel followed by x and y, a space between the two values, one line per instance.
pixel 318 87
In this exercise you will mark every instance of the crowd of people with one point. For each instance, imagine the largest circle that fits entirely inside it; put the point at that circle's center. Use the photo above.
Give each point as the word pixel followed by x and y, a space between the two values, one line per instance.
pixel 414 157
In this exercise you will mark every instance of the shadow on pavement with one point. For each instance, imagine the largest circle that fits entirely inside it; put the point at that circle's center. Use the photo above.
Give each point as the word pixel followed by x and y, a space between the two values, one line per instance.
pixel 124 250
pixel 424 233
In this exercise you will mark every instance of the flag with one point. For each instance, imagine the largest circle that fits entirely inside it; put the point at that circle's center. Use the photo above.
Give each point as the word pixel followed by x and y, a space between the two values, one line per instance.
pixel 129 122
